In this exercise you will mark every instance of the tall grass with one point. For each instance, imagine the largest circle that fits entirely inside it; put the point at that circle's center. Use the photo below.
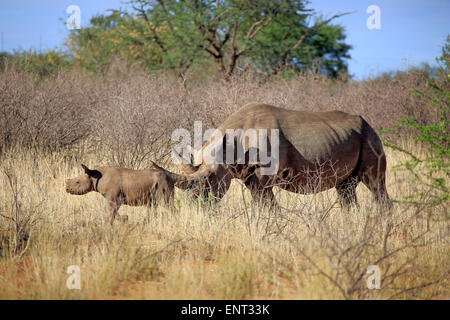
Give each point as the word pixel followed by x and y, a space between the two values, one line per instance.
pixel 234 250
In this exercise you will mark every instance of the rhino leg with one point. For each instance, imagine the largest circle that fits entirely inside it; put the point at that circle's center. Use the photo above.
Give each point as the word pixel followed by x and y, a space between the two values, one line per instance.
pixel 264 196
pixel 112 208
pixel 261 190
pixel 346 191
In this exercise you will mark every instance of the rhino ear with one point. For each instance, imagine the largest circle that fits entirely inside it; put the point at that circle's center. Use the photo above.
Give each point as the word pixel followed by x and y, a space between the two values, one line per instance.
pixel 86 169
pixel 92 173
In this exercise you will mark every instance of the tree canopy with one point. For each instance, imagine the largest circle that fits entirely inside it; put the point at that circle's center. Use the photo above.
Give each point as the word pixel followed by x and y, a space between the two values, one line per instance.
pixel 267 36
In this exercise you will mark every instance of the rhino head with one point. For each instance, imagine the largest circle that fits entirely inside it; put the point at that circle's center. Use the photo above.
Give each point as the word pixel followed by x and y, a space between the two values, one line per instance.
pixel 83 183
pixel 205 181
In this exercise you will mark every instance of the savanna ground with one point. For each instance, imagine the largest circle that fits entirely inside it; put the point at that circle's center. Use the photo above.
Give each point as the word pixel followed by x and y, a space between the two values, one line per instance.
pixel 309 249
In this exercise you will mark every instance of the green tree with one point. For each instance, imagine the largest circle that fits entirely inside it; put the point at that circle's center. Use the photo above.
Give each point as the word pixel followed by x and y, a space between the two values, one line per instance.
pixel 269 36
pixel 109 36
pixel 444 59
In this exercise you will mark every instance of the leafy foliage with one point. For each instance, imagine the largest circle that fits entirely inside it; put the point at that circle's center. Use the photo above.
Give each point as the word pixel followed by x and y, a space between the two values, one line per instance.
pixel 42 64
pixel 267 36
pixel 432 168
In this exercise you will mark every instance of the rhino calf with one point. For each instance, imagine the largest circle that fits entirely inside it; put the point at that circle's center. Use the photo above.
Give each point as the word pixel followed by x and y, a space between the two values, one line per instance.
pixel 119 186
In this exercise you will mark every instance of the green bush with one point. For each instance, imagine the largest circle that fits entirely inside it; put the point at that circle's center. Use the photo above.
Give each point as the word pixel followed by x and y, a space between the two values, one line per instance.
pixel 431 168
pixel 41 64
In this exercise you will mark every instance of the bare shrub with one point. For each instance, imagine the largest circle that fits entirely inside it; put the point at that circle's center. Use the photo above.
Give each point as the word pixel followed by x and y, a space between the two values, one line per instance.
pixel 129 112
pixel 136 119
pixel 16 90
pixel 48 114
pixel 382 102
pixel 16 223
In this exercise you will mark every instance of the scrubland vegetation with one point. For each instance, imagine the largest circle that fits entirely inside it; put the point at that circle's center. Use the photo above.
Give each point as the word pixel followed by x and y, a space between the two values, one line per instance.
pixel 235 249
pixel 53 117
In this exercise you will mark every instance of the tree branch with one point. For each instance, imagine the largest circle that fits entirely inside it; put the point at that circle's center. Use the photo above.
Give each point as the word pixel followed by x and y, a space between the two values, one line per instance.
pixel 252 33
pixel 144 15
pixel 316 26
pixel 302 38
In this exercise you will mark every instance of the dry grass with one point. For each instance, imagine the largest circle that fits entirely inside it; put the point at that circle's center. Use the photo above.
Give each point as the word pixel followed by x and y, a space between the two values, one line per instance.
pixel 235 250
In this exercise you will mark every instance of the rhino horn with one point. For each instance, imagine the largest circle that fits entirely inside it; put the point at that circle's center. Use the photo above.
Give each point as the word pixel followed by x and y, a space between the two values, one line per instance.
pixel 188 168
pixel 186 165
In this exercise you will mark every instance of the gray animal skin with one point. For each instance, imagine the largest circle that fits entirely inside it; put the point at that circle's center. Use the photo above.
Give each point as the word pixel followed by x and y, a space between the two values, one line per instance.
pixel 125 186
pixel 317 151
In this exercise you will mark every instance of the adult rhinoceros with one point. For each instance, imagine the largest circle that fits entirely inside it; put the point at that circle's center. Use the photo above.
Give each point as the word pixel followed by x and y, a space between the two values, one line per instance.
pixel 317 151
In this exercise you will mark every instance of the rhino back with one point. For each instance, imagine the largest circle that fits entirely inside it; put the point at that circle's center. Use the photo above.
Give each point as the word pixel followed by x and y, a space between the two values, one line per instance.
pixel 138 180
pixel 315 135
pixel 131 182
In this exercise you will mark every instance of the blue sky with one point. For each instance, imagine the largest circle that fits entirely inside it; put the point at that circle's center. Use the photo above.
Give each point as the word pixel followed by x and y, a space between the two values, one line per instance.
pixel 411 32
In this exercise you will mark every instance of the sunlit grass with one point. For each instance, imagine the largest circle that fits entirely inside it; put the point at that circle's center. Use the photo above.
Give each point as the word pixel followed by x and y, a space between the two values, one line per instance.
pixel 234 250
